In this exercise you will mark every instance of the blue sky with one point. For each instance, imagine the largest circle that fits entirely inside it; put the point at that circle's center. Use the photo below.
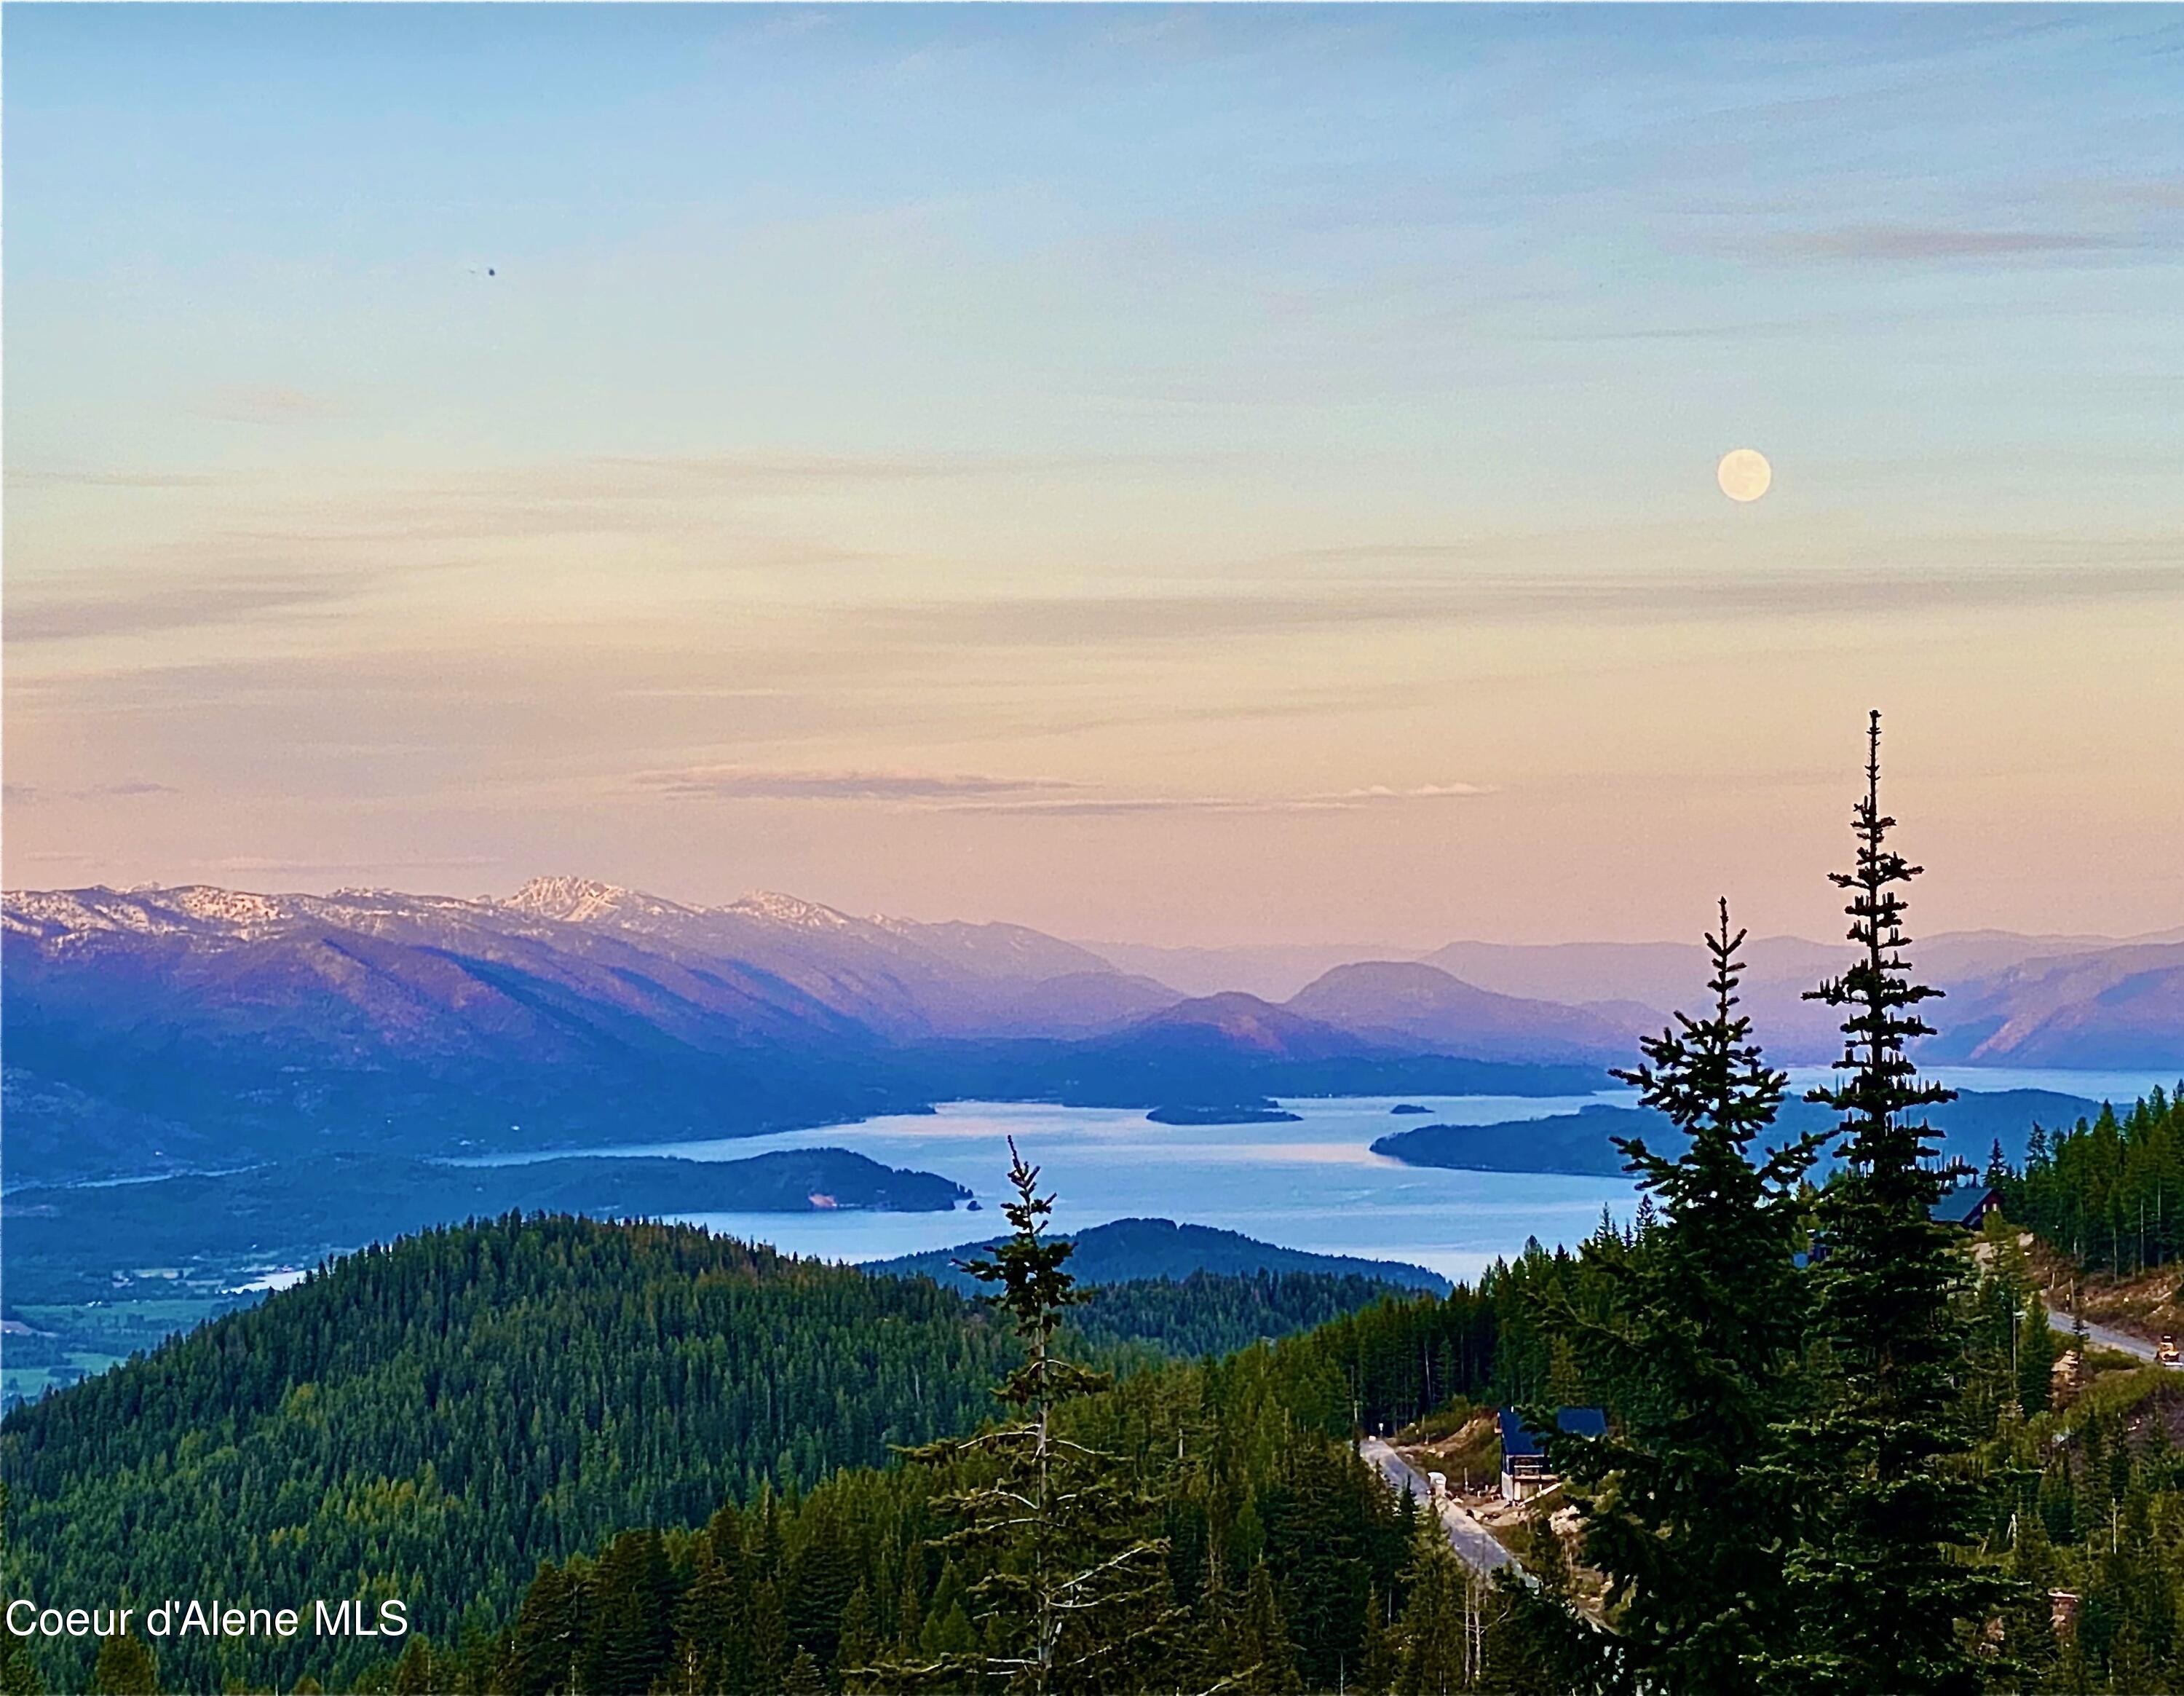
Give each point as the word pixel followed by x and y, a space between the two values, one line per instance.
pixel 1091 449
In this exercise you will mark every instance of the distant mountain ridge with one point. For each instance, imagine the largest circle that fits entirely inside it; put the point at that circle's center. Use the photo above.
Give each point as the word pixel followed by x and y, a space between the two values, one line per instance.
pixel 2013 999
pixel 155 1029
pixel 896 977
pixel 1129 1250
pixel 2010 1000
pixel 1415 1003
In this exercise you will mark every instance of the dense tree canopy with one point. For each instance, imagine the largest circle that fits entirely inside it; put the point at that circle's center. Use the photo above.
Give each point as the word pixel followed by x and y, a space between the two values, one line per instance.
pixel 1684 1505
pixel 433 1419
pixel 2110 1192
pixel 430 1421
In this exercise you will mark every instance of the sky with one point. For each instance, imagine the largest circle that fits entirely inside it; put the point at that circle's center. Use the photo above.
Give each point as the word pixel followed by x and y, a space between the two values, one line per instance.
pixel 1183 476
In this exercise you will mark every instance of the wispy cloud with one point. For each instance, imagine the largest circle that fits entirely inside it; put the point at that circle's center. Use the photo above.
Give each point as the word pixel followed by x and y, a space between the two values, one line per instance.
pixel 1935 243
pixel 1459 595
pixel 127 608
pixel 734 783
pixel 1339 800
pixel 1379 792
pixel 21 795
pixel 1052 797
pixel 127 790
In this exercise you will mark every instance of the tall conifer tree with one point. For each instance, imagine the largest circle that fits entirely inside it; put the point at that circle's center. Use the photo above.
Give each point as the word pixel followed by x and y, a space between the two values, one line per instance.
pixel 1074 1594
pixel 1681 1511
pixel 1888 1603
pixel 125 1667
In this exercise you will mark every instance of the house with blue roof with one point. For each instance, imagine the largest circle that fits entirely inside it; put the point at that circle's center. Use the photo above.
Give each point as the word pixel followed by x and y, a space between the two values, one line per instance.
pixel 1524 1469
pixel 1967 1206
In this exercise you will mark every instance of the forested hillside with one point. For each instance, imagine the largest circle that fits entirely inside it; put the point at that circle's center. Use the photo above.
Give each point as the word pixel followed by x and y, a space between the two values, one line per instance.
pixel 1214 1313
pixel 431 1420
pixel 2108 1190
pixel 1281 1555
pixel 1206 1526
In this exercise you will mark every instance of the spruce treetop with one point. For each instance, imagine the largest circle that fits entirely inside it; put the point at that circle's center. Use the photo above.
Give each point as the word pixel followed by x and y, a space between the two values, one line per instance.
pixel 1878 991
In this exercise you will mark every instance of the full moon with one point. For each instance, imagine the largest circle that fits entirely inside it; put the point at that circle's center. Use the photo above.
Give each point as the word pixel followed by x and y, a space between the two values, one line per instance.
pixel 1744 474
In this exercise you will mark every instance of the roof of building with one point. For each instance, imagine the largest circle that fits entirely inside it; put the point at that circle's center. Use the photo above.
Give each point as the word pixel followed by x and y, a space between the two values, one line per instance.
pixel 1964 1204
pixel 1519 1438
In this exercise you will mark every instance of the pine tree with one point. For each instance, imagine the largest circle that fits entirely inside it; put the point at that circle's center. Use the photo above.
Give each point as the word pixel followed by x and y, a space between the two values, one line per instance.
pixel 1887 1604
pixel 629 1618
pixel 770 1649
pixel 1073 1593
pixel 821 1575
pixel 947 1630
pixel 859 1639
pixel 125 1668
pixel 1380 1661
pixel 1439 1655
pixel 1272 1656
pixel 415 1673
pixel 713 1621
pixel 1565 1378
pixel 2036 1352
pixel 803 1678
pixel 909 1613
pixel 1680 1508
pixel 550 1632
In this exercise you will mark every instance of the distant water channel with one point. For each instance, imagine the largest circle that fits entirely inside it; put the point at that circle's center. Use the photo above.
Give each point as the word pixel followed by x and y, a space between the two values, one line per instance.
pixel 1312 1185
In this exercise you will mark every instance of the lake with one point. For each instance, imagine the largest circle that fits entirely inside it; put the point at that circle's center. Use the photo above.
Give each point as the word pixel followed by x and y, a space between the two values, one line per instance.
pixel 1310 1185
pixel 1314 1185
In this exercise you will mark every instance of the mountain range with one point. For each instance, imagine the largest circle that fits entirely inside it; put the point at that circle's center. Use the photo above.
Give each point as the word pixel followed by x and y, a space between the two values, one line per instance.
pixel 160 1029
pixel 2085 1001
pixel 170 1028
pixel 2013 1000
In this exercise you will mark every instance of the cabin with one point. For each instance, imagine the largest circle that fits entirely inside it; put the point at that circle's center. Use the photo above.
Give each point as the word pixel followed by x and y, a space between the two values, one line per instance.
pixel 1967 1206
pixel 1525 1470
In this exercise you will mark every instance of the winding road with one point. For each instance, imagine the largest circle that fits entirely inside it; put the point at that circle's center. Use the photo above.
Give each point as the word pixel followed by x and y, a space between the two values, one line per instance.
pixel 2107 1337
pixel 1473 1545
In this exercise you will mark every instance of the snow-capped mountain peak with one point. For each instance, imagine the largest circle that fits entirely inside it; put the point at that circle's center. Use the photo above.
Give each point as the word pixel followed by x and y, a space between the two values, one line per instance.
pixel 573 901
pixel 59 916
pixel 237 909
pixel 776 908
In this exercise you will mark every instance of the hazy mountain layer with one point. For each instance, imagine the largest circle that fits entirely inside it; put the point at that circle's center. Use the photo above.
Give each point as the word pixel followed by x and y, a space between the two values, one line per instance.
pixel 177 1029
pixel 165 1029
